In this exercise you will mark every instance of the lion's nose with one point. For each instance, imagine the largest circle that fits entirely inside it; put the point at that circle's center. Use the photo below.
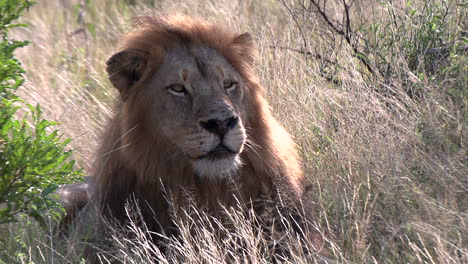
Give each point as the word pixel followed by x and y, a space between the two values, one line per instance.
pixel 219 127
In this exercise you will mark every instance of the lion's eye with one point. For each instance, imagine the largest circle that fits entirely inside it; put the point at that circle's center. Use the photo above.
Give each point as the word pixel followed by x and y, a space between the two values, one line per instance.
pixel 229 85
pixel 177 89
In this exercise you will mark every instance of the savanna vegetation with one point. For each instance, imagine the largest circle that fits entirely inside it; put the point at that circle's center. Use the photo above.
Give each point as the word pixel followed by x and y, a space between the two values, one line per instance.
pixel 374 93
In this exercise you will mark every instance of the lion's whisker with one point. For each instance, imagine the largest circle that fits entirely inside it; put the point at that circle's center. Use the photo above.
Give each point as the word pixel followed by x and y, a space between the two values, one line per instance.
pixel 121 147
pixel 249 144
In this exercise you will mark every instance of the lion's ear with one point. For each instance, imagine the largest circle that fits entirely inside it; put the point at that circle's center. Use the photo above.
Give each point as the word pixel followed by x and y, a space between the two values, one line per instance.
pixel 244 44
pixel 125 68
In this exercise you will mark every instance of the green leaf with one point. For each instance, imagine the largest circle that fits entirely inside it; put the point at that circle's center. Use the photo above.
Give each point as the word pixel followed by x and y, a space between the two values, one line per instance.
pixel 38 218
pixel 17 25
pixel 49 189
pixel 8 220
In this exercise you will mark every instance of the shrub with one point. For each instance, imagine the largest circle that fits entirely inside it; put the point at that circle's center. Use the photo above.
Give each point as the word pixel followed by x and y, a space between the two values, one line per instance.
pixel 33 160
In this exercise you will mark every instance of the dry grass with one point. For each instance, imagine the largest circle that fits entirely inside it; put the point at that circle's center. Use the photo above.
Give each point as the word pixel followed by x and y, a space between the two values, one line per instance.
pixel 389 169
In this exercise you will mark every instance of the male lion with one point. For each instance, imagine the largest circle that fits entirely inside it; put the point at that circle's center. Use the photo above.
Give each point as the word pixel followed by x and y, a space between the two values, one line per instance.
pixel 190 119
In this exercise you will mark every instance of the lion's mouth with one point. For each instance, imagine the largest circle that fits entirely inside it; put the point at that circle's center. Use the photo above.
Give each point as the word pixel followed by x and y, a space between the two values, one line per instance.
pixel 219 162
pixel 220 152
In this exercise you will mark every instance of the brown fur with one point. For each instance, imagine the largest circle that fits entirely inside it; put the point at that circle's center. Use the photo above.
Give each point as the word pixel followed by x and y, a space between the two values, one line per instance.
pixel 132 162
pixel 73 197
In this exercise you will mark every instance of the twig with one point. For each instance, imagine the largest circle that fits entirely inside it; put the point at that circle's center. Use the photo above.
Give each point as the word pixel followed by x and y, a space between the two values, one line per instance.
pixel 314 55
pixel 304 40
pixel 306 53
pixel 444 50
pixel 346 34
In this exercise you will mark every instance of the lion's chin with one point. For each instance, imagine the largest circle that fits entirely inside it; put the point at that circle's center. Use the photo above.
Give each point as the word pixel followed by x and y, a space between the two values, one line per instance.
pixel 217 167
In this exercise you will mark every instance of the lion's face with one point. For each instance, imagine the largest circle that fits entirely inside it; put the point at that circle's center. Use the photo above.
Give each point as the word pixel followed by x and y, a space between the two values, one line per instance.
pixel 196 104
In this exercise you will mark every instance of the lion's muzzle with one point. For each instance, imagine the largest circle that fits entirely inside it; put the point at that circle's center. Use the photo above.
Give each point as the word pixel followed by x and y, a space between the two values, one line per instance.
pixel 222 158
pixel 220 127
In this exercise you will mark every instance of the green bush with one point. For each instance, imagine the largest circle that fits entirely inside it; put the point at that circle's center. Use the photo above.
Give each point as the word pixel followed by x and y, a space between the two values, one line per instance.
pixel 33 160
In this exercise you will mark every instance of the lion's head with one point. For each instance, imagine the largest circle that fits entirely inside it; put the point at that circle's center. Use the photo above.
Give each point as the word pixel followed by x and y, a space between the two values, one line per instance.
pixel 197 104
pixel 197 94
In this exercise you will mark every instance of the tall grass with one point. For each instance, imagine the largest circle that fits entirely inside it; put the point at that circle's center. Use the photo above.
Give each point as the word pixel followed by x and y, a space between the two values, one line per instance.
pixel 386 151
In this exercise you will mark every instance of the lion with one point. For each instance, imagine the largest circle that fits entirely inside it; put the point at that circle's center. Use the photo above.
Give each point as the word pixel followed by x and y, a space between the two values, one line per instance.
pixel 190 118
